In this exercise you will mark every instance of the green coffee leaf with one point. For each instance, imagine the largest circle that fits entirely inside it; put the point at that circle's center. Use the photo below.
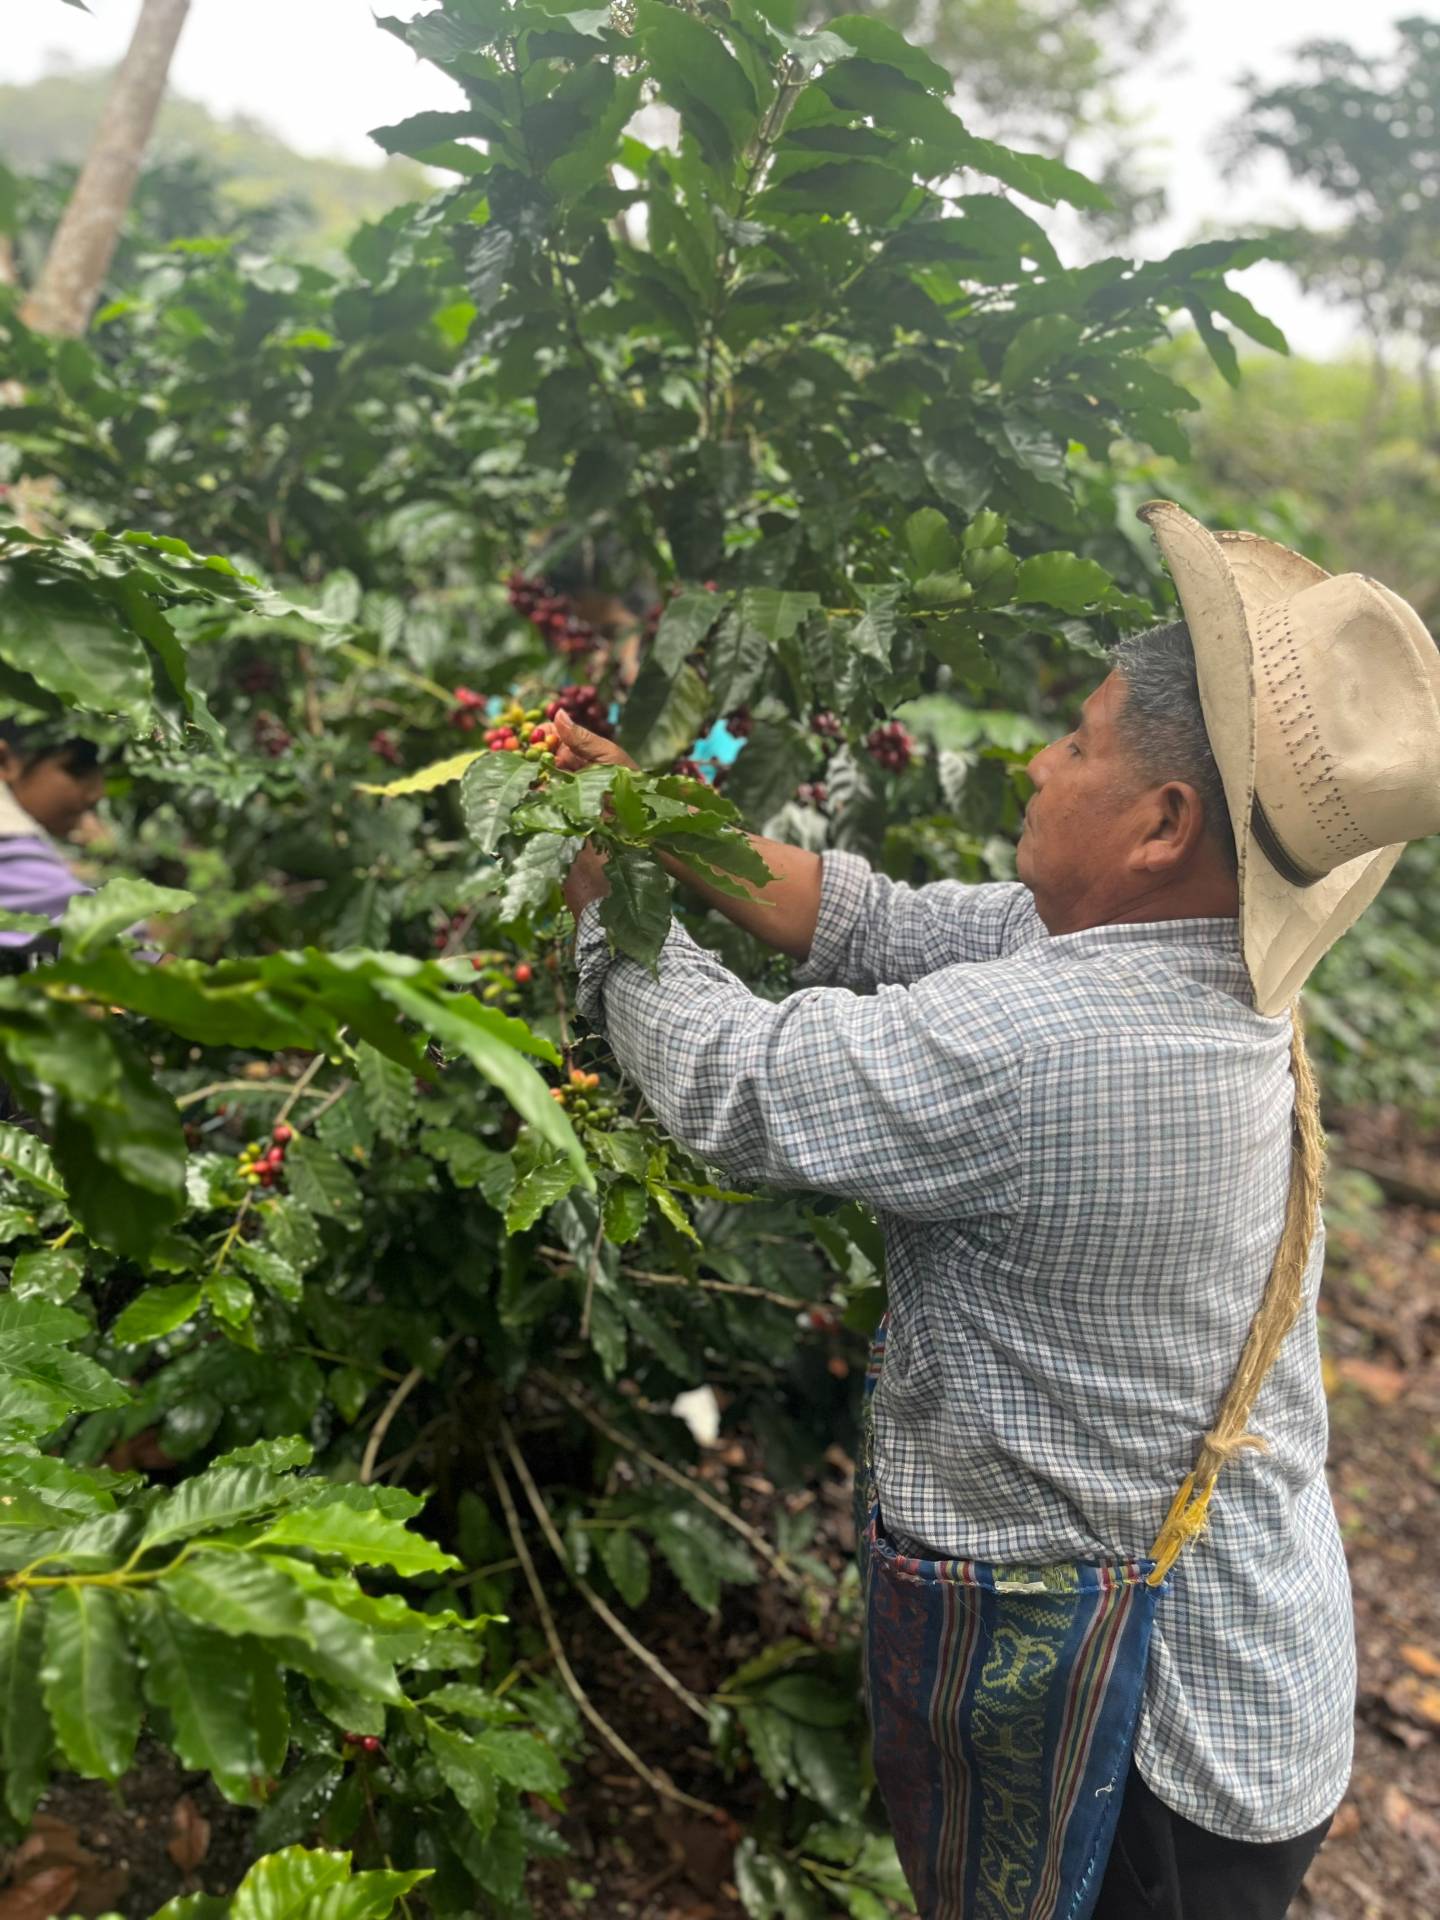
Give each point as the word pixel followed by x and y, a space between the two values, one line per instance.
pixel 626 1205
pixel 156 1312
pixel 493 786
pixel 47 1273
pixel 91 919
pixel 216 1499
pixel 360 1536
pixel 25 1736
pixel 623 1555
pixel 238 1593
pixel 389 1091
pixel 466 1772
pixel 88 1680
pixel 1062 580
pixel 535 1191
pixel 322 1183
pixel 521 1760
pixel 635 913
pixel 30 1161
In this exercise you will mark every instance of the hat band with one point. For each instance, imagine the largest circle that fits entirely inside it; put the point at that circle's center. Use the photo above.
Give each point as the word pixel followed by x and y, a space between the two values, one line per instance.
pixel 1268 841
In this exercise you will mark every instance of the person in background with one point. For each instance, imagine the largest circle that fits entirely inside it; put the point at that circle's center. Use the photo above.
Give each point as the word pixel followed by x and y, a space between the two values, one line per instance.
pixel 49 786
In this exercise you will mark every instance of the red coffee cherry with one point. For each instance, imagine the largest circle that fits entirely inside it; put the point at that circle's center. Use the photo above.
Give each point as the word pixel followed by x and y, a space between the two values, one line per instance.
pixel 891 747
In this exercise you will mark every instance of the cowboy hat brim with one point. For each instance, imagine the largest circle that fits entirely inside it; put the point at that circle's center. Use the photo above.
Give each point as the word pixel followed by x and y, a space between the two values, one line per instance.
pixel 1224 581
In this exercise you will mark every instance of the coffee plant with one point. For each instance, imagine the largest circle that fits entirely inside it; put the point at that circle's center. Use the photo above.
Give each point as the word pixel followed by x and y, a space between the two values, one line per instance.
pixel 349 1287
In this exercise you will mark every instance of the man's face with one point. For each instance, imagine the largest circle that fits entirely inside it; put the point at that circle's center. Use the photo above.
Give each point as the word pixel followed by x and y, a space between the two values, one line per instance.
pixel 54 793
pixel 1084 820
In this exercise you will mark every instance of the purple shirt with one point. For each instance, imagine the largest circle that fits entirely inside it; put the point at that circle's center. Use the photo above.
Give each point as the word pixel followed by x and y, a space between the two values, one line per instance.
pixel 33 879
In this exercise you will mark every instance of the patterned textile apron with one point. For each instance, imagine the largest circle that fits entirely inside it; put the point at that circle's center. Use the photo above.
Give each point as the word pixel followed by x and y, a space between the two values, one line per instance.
pixel 1003 1703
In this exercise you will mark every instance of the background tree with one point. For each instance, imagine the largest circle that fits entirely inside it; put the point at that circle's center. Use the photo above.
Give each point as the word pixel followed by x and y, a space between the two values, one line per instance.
pixel 309 203
pixel 1043 73
pixel 64 295
pixel 1365 132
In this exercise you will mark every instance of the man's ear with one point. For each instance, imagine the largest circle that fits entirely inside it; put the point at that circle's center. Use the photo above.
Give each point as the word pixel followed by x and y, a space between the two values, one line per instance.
pixel 1175 827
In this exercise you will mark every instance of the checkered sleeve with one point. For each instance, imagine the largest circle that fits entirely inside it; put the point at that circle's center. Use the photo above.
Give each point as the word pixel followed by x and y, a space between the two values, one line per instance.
pixel 874 931
pixel 904 1099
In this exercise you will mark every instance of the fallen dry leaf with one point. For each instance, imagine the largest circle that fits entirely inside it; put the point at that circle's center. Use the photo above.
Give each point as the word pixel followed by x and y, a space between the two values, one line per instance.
pixel 1416 1701
pixel 1409 1820
pixel 189 1840
pixel 1420 1660
pixel 1346 1821
pixel 42 1896
pixel 1384 1385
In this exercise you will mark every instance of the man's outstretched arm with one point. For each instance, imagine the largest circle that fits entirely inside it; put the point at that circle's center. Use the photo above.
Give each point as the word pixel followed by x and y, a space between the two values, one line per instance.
pixel 852 927
pixel 905 1099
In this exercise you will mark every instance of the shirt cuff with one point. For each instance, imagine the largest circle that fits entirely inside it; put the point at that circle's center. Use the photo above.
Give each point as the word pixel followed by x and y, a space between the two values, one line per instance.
pixel 844 894
pixel 592 961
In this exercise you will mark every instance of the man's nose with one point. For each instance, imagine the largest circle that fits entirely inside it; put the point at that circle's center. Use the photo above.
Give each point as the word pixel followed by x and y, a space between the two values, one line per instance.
pixel 1038 768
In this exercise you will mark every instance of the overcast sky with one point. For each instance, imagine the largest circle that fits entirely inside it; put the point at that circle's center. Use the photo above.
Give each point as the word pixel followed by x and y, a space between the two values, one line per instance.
pixel 321 73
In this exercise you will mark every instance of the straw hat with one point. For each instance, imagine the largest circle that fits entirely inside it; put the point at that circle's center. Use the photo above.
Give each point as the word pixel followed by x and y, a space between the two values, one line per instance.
pixel 1322 700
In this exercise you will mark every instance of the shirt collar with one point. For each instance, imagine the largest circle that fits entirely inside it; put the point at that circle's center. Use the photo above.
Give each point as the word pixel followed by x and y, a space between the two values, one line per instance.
pixel 1219 933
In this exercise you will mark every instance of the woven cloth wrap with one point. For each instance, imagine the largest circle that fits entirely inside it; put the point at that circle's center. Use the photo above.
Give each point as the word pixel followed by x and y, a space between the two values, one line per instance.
pixel 1003 1700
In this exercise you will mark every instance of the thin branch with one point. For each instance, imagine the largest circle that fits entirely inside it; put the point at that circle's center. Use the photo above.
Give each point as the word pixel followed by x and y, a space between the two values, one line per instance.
pixel 382 1424
pixel 648 1279
pixel 683 1480
pixel 317 1061
pixel 388 1412
pixel 582 1586
pixel 272 1081
pixel 656 1782
pixel 591 1264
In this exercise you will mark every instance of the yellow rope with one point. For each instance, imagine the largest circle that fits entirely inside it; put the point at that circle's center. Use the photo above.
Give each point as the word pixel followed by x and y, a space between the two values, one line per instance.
pixel 1276 1315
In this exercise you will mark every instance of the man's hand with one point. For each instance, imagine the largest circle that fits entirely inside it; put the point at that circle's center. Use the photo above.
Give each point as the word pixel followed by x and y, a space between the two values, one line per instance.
pixel 587 879
pixel 579 748
pixel 782 914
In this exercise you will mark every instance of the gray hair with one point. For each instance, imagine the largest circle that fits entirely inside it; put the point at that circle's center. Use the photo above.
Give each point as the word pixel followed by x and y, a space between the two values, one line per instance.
pixel 1162 723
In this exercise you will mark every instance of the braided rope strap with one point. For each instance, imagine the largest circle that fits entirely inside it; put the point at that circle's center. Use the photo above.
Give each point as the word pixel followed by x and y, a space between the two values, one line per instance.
pixel 1277 1313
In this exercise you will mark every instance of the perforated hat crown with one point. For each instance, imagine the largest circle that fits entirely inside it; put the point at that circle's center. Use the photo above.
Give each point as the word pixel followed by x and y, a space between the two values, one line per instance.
pixel 1322 700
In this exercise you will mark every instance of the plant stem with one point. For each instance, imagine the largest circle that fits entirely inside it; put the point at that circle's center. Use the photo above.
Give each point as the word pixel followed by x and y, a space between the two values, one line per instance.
pixel 582 1586
pixel 391 1407
pixel 648 1279
pixel 686 1481
pixel 656 1782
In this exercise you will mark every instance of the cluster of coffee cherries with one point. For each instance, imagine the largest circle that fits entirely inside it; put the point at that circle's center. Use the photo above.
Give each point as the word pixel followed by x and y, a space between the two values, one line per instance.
pixel 365 1742
pixel 584 706
pixel 890 746
pixel 261 1166
pixel 523 730
pixel 813 793
pixel 552 613
pixel 576 1099
pixel 469 706
pixel 828 726
pixel 498 983
pixel 271 735
pixel 450 926
pixel 688 769
pixel 739 723
pixel 257 676
pixel 387 746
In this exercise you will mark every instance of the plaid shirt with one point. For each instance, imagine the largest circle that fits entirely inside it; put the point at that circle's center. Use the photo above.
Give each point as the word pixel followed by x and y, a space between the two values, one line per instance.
pixel 1079 1150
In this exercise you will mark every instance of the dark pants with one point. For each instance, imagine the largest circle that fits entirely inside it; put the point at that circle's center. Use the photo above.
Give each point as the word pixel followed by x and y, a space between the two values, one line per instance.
pixel 1164 1868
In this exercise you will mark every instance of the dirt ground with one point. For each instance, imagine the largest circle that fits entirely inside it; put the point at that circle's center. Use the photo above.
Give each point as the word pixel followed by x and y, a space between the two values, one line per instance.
pixel 163 1832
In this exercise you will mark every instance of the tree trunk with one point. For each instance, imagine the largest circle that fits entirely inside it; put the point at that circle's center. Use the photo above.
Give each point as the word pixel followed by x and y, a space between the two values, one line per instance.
pixel 84 244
